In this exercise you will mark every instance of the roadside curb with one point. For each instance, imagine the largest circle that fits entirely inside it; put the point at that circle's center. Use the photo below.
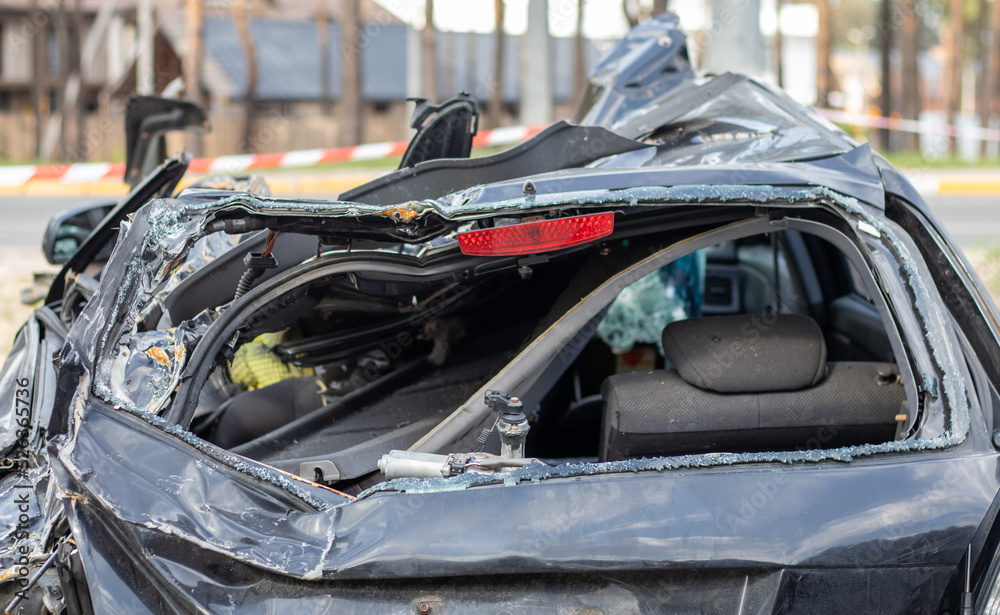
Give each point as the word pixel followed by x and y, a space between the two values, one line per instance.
pixel 955 184
pixel 983 186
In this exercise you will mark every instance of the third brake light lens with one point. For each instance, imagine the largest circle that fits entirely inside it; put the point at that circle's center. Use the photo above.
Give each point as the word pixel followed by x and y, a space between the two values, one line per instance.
pixel 536 237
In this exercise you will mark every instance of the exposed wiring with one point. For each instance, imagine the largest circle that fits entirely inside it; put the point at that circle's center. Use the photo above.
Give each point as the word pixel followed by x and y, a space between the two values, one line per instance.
pixel 256 265
pixel 269 243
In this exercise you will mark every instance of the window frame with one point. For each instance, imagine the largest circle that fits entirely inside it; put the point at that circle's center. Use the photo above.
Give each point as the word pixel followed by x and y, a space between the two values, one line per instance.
pixel 537 359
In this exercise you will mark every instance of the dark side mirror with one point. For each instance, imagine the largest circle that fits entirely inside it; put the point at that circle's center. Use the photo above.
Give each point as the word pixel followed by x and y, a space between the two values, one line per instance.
pixel 147 120
pixel 68 229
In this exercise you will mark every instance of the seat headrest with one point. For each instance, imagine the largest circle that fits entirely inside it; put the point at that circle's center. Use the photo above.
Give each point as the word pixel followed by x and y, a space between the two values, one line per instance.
pixel 747 353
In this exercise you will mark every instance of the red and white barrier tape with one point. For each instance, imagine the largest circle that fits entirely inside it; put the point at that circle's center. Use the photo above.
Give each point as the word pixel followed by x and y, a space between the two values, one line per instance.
pixel 917 126
pixel 89 172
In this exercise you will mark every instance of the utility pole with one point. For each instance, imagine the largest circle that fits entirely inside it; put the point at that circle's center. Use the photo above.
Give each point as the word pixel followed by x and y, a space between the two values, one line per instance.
pixel 145 78
pixel 886 43
pixel 428 44
pixel 536 66
pixel 736 43
pixel 496 94
pixel 414 69
pixel 351 122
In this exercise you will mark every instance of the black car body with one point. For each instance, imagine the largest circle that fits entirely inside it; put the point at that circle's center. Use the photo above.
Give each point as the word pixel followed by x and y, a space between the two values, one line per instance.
pixel 733 476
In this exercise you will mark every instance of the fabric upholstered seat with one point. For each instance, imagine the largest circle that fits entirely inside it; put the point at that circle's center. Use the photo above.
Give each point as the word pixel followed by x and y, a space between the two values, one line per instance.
pixel 748 383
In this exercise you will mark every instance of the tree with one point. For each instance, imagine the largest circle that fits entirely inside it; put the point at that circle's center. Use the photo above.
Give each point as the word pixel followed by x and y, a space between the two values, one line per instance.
pixel 983 58
pixel 38 99
pixel 74 109
pixel 886 42
pixel 631 9
pixel 953 82
pixel 351 124
pixel 62 44
pixel 579 61
pixel 995 60
pixel 323 39
pixel 191 64
pixel 428 44
pixel 823 54
pixel 496 94
pixel 241 22
pixel 910 77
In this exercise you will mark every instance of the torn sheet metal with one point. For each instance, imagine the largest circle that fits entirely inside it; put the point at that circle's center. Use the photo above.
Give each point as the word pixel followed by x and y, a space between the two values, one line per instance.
pixel 190 520
pixel 164 521
pixel 147 369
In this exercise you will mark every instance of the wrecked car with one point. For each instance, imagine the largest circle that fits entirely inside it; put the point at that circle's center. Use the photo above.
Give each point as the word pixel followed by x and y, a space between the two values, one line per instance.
pixel 698 351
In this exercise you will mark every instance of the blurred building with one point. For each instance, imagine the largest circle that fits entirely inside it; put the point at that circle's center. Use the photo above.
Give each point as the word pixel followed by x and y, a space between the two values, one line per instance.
pixel 40 48
pixel 289 70
pixel 41 43
pixel 60 35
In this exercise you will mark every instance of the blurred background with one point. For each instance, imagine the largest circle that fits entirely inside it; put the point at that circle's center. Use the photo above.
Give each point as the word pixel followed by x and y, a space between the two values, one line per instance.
pixel 919 79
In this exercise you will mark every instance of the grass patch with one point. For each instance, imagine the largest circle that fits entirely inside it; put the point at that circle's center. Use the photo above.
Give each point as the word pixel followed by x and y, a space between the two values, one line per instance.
pixel 911 160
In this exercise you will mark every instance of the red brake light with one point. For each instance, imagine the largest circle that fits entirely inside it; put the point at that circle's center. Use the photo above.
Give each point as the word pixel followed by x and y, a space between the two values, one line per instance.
pixel 536 237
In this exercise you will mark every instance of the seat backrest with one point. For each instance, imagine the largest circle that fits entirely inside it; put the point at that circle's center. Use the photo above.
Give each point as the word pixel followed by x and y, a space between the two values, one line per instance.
pixel 748 383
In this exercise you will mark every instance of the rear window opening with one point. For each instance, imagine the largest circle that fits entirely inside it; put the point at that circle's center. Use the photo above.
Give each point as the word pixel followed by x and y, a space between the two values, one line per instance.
pixel 762 343
pixel 355 360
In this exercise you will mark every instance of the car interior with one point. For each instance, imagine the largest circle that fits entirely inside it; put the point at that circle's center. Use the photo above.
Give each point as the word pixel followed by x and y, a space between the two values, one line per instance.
pixel 763 343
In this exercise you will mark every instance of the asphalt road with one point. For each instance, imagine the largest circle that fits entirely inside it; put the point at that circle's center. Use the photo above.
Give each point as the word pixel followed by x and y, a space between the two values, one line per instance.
pixel 970 220
pixel 23 219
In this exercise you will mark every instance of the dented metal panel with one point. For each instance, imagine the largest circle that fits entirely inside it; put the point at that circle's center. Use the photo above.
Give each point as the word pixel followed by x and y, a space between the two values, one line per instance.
pixel 144 516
